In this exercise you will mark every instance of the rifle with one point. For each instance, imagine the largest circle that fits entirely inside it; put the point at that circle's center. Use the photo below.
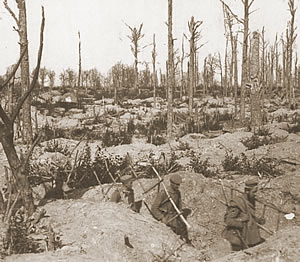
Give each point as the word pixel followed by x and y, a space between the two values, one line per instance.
pixel 270 232
pixel 172 202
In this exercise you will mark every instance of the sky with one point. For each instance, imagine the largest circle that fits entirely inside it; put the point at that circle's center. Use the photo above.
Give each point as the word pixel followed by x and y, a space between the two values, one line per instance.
pixel 104 34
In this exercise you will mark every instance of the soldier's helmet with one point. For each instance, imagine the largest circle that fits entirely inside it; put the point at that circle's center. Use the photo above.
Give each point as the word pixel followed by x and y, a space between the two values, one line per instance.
pixel 176 179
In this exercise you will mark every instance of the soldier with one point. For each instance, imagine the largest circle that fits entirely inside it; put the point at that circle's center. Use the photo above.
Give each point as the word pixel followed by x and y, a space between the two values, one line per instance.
pixel 241 222
pixel 125 193
pixel 163 210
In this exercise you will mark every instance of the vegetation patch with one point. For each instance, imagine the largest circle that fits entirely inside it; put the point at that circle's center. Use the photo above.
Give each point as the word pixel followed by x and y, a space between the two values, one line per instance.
pixel 265 166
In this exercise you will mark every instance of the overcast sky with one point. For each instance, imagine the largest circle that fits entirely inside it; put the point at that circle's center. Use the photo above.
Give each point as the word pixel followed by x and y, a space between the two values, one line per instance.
pixel 104 33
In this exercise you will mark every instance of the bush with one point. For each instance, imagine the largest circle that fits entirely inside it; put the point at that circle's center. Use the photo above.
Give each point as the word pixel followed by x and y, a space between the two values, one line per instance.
pixel 111 138
pixel 55 146
pixel 104 166
pixel 202 166
pixel 230 163
pixel 163 165
pixel 263 131
pixel 256 141
pixel 253 166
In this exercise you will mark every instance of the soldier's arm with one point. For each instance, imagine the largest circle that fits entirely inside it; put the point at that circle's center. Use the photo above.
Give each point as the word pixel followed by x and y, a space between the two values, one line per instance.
pixel 157 213
pixel 235 218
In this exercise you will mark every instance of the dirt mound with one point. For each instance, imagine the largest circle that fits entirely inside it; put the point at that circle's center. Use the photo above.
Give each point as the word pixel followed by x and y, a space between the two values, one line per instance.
pixel 95 231
pixel 284 246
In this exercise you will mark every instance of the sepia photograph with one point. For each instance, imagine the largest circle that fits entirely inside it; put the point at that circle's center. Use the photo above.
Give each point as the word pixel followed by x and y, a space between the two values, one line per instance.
pixel 149 130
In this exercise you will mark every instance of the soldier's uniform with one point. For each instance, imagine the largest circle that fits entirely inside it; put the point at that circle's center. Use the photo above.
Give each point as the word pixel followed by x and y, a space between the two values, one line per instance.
pixel 125 193
pixel 163 210
pixel 241 222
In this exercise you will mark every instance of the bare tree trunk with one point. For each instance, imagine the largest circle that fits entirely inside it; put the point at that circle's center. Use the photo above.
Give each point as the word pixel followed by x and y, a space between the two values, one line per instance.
pixel 292 39
pixel 11 97
pixel 244 60
pixel 18 167
pixel 191 76
pixel 79 61
pixel 26 111
pixel 284 67
pixel 205 77
pixel 135 37
pixel 277 76
pixel 249 57
pixel 171 72
pixel 181 69
pixel 235 75
pixel 262 77
pixel 154 77
pixel 225 83
pixel 256 115
pixel 221 72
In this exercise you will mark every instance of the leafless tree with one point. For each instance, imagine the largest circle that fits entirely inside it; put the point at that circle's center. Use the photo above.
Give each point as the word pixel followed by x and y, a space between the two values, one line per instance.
pixel 135 37
pixel 21 29
pixel 154 75
pixel 170 71
pixel 195 35
pixel 42 76
pixel 245 22
pixel 291 37
pixel 79 61
pixel 17 165
pixel 51 77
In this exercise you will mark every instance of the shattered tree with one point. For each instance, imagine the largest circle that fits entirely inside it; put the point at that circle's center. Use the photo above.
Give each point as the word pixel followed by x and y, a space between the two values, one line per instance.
pixel 194 37
pixel 17 165
pixel 255 89
pixel 154 75
pixel 171 72
pixel 21 23
pixel 135 37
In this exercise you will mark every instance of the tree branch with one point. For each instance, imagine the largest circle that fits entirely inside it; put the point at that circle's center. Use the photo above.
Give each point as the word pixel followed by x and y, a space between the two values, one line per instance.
pixel 36 70
pixel 233 14
pixel 11 12
pixel 15 68
pixel 250 3
pixel 5 117
pixel 29 152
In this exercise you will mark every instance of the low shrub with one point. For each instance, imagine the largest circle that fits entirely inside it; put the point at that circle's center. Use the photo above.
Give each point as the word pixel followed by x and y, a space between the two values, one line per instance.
pixel 198 165
pixel 265 166
pixel 255 141
pixel 231 162
pixel 112 138
pixel 163 165
pixel 55 146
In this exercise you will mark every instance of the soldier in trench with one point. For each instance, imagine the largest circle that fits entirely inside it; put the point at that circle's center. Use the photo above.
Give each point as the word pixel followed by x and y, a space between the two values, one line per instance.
pixel 241 222
pixel 125 194
pixel 163 210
